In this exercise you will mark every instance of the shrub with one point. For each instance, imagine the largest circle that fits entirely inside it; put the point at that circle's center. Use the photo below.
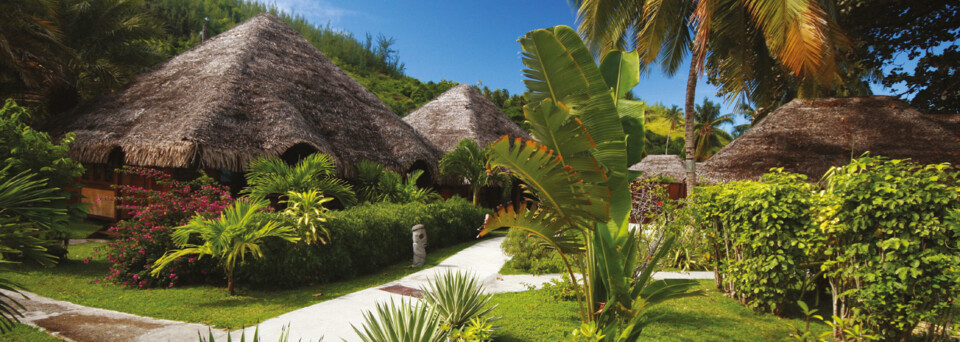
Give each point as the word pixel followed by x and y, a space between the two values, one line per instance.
pixel 363 239
pixel 239 231
pixel 145 236
pixel 529 254
pixel 891 242
pixel 407 322
pixel 24 149
pixel 762 228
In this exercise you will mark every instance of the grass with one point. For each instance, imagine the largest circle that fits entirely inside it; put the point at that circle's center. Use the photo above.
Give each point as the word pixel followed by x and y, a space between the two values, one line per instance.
pixel 76 282
pixel 80 230
pixel 26 333
pixel 535 316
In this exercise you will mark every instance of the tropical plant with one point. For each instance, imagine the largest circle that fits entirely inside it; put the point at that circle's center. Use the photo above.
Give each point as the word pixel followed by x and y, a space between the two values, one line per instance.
pixel 26 215
pixel 308 213
pixel 710 137
pixel 577 176
pixel 25 149
pixel 799 34
pixel 272 176
pixel 457 298
pixel 284 335
pixel 110 40
pixel 238 232
pixel 673 115
pixel 30 48
pixel 145 235
pixel 407 322
pixel 469 161
pixel 478 330
pixel 375 183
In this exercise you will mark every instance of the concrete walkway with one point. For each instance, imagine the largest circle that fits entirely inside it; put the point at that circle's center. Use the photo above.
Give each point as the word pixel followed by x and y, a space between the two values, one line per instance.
pixel 330 320
pixel 79 323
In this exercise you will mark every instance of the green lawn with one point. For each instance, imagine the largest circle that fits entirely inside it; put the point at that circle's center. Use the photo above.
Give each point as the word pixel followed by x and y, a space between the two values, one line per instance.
pixel 80 230
pixel 534 316
pixel 75 282
pixel 26 333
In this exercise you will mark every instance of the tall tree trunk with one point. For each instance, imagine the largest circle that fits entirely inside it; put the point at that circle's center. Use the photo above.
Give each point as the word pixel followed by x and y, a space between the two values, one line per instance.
pixel 476 195
pixel 690 139
pixel 666 148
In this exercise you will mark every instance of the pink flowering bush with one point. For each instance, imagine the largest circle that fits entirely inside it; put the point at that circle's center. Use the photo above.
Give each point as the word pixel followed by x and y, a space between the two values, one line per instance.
pixel 145 235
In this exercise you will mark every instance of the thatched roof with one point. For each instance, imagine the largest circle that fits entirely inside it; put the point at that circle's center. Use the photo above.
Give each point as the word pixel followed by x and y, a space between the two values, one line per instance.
pixel 257 89
pixel 462 112
pixel 810 136
pixel 667 165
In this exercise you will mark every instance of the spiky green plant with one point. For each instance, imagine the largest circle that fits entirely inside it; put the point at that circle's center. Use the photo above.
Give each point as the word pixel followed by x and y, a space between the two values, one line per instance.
pixel 266 176
pixel 230 238
pixel 457 297
pixel 407 322
pixel 308 213
pixel 284 335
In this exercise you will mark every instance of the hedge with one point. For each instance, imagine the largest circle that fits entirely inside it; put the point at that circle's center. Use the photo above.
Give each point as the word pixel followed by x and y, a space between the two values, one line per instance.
pixel 363 239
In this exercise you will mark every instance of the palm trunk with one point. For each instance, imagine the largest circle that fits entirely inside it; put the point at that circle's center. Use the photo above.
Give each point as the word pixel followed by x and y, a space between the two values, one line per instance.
pixel 666 148
pixel 689 140
pixel 476 195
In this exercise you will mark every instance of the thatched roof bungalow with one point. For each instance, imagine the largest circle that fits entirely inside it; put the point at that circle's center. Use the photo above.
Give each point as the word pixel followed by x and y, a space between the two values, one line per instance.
pixel 460 113
pixel 809 136
pixel 259 89
pixel 662 165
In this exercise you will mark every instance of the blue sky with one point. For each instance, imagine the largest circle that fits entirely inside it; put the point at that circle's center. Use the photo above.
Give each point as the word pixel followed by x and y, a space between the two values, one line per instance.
pixel 470 41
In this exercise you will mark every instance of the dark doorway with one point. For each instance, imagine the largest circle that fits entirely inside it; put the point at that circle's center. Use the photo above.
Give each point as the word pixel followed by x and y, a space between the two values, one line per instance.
pixel 426 180
pixel 297 152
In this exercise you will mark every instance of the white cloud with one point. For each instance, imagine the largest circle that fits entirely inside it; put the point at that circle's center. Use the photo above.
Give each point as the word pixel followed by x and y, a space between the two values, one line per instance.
pixel 317 12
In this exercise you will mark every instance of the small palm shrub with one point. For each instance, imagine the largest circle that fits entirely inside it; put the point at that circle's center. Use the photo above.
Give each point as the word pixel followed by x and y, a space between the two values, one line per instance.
pixel 407 322
pixel 469 160
pixel 236 233
pixel 308 214
pixel 272 176
pixel 457 297
pixel 374 183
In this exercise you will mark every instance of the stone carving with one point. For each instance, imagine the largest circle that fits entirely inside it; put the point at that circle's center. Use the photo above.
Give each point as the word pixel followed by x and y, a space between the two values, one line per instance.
pixel 419 245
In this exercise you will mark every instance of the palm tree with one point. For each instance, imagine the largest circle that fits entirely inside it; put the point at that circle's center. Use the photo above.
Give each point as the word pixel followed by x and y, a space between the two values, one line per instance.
pixel 26 214
pixel 709 134
pixel 31 54
pixel 673 116
pixel 237 232
pixel 110 41
pixel 469 161
pixel 799 33
pixel 272 176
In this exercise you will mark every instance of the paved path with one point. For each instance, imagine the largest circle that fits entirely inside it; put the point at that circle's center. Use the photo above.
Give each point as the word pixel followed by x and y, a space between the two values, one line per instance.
pixel 74 322
pixel 331 319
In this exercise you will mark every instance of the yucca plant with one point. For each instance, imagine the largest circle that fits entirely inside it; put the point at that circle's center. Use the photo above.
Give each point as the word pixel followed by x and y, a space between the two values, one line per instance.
pixel 284 336
pixel 407 322
pixel 272 176
pixel 236 233
pixel 308 213
pixel 457 297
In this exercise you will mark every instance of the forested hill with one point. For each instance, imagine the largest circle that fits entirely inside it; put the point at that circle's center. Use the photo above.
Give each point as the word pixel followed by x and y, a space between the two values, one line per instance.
pixel 371 60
